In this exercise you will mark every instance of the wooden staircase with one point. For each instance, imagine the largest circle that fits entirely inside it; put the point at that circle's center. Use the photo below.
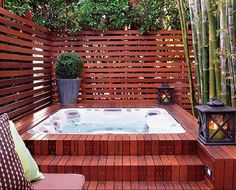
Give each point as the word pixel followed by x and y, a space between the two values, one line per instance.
pixel 123 161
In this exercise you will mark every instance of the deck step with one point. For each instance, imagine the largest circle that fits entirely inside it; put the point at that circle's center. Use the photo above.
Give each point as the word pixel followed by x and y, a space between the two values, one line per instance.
pixel 95 145
pixel 126 168
pixel 146 185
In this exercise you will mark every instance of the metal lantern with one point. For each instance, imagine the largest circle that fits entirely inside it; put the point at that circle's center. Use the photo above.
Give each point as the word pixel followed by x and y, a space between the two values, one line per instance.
pixel 165 94
pixel 216 123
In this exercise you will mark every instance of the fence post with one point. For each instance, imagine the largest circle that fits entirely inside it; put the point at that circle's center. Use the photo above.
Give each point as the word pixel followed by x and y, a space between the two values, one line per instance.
pixel 28 15
pixel 2 3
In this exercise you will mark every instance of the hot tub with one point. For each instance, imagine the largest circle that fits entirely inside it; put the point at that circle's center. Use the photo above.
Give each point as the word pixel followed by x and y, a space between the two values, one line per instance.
pixel 110 120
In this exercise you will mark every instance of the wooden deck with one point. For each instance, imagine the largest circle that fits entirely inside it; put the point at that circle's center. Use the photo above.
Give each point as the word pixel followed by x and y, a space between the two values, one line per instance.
pixel 170 161
pixel 143 185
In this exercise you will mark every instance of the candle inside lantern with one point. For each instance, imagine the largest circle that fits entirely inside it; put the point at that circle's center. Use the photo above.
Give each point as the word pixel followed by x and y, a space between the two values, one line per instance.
pixel 165 98
pixel 213 128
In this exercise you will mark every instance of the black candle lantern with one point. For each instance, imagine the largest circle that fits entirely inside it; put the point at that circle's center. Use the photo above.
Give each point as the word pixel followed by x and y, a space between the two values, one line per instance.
pixel 216 123
pixel 165 94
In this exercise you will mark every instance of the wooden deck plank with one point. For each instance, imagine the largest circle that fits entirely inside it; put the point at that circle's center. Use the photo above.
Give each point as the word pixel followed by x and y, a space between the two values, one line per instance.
pixel 61 164
pixel 147 144
pixel 126 145
pixel 118 185
pixel 110 170
pixel 67 144
pixel 109 185
pixel 177 185
pixel 86 167
pixel 141 145
pixel 175 168
pixel 111 144
pixel 144 185
pixel 118 145
pixel 104 145
pixel 89 145
pixel 78 164
pixel 150 168
pixel 96 145
pixel 74 145
pixel 134 185
pixel 134 168
pixel 52 167
pixel 94 168
pixel 158 168
pixel 126 168
pixel 81 145
pixel 155 144
pixel 133 145
pixel 167 173
pixel 69 168
pixel 118 168
pixel 221 160
pixel 93 185
pixel 126 185
pixel 142 170
pixel 183 170
pixel 101 185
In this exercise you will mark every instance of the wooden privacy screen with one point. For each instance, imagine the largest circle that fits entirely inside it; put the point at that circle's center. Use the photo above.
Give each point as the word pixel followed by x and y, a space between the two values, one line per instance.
pixel 123 66
pixel 120 66
pixel 25 65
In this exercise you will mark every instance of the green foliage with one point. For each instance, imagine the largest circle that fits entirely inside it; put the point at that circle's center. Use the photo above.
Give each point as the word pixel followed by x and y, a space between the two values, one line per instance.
pixel 72 16
pixel 69 66
pixel 103 14
pixel 52 14
pixel 17 6
pixel 170 14
pixel 149 15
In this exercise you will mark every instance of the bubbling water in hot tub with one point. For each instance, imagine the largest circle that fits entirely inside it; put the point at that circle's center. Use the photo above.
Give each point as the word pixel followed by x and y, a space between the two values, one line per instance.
pixel 109 120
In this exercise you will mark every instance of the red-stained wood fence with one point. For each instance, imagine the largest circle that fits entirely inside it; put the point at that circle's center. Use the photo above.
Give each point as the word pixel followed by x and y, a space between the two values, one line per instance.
pixel 25 65
pixel 124 66
pixel 119 66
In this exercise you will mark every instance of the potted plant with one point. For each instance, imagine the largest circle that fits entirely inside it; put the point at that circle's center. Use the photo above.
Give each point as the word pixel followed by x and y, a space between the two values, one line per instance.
pixel 68 69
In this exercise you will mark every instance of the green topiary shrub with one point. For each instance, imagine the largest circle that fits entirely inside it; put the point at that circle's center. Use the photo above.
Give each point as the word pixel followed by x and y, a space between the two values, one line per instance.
pixel 69 66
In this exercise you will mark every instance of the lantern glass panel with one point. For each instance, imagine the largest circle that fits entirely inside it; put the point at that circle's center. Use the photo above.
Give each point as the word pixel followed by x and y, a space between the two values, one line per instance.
pixel 216 125
pixel 166 95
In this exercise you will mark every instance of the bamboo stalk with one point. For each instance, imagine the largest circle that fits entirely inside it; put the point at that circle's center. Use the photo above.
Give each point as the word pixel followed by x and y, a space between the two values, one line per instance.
pixel 232 50
pixel 186 50
pixel 195 47
pixel 205 61
pixel 223 35
pixel 229 72
pixel 214 70
pixel 198 18
pixel 234 13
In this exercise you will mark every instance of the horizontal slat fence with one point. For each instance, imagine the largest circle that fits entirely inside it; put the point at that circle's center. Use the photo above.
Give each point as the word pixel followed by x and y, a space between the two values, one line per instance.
pixel 120 66
pixel 25 65
pixel 124 66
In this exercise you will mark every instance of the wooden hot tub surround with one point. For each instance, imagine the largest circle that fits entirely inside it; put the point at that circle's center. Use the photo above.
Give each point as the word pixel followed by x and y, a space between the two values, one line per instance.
pixel 112 161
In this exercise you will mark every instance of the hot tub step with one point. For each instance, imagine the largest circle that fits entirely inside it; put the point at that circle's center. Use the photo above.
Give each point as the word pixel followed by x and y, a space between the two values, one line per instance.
pixel 130 145
pixel 126 168
pixel 146 185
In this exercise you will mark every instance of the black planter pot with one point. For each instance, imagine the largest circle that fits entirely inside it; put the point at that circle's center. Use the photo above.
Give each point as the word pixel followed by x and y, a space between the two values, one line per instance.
pixel 68 90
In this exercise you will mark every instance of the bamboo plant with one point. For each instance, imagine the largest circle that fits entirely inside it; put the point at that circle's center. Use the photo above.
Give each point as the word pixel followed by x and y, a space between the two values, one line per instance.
pixel 214 33
pixel 186 50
